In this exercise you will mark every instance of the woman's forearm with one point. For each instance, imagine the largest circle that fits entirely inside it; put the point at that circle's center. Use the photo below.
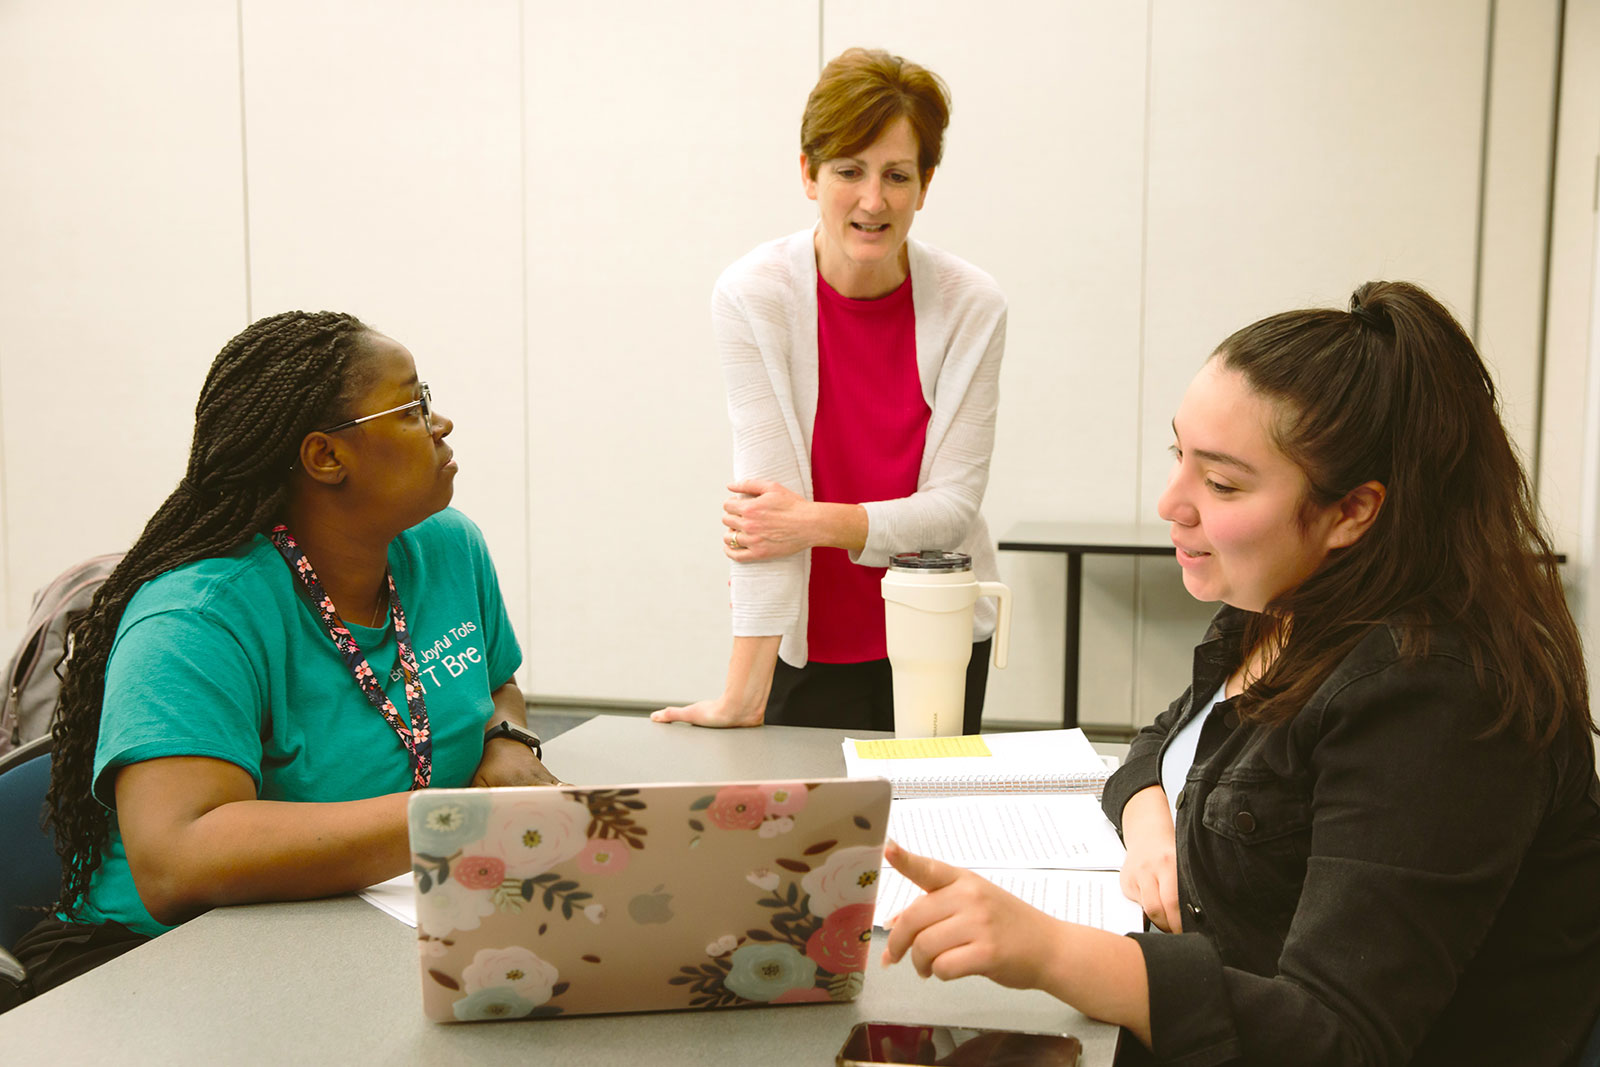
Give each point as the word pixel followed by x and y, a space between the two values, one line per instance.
pixel 247 851
pixel 509 706
pixel 1102 975
pixel 838 526
pixel 750 666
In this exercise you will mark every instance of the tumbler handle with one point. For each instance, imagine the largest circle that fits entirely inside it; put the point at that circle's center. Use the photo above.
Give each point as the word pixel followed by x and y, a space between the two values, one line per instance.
pixel 1002 634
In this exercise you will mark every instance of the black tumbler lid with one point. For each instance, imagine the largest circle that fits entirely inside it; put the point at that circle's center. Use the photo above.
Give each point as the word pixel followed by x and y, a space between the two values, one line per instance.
pixel 930 559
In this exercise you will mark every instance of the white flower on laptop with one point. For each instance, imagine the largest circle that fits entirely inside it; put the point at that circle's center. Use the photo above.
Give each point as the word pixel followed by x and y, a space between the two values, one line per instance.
pixel 850 876
pixel 763 878
pixel 534 835
pixel 442 824
pixel 595 913
pixel 773 827
pixel 764 971
pixel 450 906
pixel 722 945
pixel 514 968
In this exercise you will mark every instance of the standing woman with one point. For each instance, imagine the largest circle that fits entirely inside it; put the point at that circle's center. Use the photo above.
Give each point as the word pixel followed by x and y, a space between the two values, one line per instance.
pixel 1371 826
pixel 862 370
pixel 303 633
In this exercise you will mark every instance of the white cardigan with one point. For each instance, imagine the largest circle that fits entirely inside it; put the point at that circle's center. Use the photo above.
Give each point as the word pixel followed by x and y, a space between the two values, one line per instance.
pixel 764 317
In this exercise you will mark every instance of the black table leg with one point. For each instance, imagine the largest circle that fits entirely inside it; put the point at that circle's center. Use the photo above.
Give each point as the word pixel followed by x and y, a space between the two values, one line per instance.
pixel 1069 671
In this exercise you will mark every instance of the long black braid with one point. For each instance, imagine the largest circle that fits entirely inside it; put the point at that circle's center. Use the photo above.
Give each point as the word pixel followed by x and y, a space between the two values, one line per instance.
pixel 281 378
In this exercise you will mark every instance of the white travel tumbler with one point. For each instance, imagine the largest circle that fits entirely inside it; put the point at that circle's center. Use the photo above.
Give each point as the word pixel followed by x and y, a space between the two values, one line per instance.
pixel 928 599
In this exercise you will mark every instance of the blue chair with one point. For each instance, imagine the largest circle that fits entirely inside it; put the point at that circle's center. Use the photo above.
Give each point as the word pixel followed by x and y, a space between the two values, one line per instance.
pixel 30 872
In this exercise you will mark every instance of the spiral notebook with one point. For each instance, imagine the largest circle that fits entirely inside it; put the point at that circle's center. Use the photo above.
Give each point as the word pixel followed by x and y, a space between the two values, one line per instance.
pixel 1028 761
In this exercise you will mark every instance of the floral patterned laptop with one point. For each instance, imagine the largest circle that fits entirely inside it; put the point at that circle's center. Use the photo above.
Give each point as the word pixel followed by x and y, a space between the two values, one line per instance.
pixel 534 903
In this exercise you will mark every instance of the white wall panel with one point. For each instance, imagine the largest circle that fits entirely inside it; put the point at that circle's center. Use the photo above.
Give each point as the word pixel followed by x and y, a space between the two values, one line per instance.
pixel 1041 187
pixel 384 142
pixel 121 265
pixel 1571 266
pixel 662 145
pixel 1516 181
pixel 1296 150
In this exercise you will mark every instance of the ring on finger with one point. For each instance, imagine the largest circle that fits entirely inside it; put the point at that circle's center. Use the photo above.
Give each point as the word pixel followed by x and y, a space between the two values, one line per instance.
pixel 733 540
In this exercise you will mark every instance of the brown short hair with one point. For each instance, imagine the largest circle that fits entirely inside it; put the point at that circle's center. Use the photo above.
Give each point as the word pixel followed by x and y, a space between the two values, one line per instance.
pixel 859 94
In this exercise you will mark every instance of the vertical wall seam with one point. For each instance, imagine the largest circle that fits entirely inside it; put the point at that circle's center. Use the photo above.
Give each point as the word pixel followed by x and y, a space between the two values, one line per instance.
pixel 1476 327
pixel 1135 692
pixel 821 15
pixel 1541 362
pixel 7 578
pixel 244 171
pixel 527 353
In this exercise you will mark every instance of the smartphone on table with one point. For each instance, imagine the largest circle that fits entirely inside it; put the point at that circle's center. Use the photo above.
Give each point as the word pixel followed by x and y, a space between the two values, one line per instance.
pixel 927 1045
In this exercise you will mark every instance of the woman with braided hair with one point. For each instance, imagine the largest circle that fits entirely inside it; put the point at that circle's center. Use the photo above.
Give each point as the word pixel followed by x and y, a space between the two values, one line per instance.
pixel 303 633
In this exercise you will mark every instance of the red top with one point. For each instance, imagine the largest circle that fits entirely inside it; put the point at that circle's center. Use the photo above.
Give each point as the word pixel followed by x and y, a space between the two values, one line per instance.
pixel 866 444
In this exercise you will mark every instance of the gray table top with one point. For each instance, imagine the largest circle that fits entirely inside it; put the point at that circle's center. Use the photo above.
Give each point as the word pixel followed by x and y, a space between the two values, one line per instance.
pixel 337 980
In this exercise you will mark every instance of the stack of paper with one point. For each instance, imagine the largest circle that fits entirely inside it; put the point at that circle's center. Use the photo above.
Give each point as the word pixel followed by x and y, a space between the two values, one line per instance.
pixel 1010 807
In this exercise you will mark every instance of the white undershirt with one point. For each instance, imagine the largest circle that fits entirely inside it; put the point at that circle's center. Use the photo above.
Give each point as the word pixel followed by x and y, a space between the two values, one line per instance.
pixel 1179 754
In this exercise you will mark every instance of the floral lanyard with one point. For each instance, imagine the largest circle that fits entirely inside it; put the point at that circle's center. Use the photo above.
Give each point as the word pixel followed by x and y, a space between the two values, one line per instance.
pixel 417 737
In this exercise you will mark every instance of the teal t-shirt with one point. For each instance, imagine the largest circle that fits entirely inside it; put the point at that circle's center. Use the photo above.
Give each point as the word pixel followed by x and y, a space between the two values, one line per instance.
pixel 225 658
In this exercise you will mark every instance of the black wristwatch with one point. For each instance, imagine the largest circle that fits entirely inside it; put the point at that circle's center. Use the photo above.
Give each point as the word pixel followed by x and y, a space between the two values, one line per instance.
pixel 507 728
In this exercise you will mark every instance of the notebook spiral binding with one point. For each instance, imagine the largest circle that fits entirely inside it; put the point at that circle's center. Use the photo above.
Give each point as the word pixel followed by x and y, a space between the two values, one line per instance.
pixel 964 784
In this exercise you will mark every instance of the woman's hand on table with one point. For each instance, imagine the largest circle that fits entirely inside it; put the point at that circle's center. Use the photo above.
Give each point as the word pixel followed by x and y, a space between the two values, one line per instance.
pixel 965 924
pixel 717 712
pixel 507 761
pixel 744 695
pixel 1150 873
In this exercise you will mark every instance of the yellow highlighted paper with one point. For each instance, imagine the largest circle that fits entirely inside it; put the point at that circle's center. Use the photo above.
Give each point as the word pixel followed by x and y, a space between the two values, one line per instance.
pixel 923 748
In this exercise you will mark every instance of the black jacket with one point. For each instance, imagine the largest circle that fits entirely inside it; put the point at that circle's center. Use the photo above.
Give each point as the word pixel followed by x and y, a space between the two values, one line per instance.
pixel 1373 882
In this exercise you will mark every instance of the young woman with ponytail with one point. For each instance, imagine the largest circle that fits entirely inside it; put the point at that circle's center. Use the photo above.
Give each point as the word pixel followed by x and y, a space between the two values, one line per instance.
pixel 303 633
pixel 1369 832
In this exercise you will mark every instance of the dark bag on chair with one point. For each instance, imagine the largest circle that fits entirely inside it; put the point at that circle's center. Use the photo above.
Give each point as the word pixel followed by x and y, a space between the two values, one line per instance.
pixel 31 682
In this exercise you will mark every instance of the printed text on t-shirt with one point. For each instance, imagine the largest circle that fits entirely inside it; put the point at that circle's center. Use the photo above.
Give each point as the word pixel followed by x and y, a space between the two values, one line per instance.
pixel 444 659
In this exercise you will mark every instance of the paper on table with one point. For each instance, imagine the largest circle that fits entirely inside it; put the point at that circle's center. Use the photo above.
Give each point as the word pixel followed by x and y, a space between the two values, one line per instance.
pixel 968 745
pixel 397 896
pixel 1046 761
pixel 1092 898
pixel 1060 830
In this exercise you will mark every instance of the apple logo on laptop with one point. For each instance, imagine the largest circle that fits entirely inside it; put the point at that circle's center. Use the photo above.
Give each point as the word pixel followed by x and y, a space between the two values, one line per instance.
pixel 652 907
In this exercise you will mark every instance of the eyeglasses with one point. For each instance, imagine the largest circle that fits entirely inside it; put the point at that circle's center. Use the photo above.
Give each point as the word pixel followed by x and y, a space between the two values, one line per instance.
pixel 425 403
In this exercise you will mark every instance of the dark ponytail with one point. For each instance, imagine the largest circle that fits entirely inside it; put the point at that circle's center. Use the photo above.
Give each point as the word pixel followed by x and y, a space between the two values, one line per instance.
pixel 1393 391
pixel 277 381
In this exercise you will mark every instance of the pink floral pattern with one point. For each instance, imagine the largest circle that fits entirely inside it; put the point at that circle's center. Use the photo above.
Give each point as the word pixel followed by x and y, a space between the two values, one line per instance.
pixel 820 932
pixel 785 798
pixel 738 807
pixel 844 940
pixel 480 872
pixel 604 856
pixel 813 895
